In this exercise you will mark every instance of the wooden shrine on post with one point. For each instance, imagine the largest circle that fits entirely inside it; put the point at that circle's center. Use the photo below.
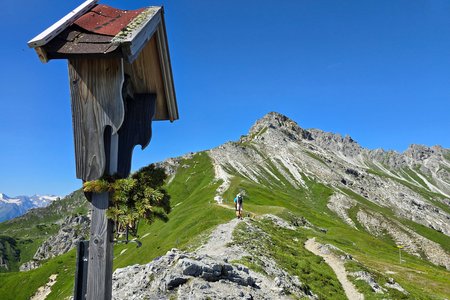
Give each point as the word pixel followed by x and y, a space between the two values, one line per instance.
pixel 120 80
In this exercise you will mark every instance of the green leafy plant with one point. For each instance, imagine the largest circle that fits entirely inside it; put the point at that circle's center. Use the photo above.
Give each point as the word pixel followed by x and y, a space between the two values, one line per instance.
pixel 140 196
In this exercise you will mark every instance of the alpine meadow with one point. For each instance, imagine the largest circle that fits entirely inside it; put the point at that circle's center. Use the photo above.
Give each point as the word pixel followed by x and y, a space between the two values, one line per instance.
pixel 324 218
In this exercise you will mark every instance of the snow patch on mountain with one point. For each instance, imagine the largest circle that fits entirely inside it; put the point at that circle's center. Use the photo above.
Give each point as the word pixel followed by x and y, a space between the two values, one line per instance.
pixel 11 207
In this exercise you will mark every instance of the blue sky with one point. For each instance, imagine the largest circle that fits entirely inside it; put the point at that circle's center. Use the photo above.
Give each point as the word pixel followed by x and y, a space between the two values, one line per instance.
pixel 378 71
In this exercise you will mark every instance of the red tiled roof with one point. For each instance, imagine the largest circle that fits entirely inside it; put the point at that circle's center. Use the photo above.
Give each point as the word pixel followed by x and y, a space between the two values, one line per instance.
pixel 106 20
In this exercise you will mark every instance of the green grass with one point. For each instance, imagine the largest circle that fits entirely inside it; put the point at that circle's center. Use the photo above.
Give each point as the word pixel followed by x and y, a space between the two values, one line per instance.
pixel 22 285
pixel 447 155
pixel 194 214
pixel 286 248
pixel 378 254
pixel 32 229
pixel 415 177
pixel 381 253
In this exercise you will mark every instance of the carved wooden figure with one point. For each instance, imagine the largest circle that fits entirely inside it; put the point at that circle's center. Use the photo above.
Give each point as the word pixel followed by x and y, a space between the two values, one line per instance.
pixel 120 81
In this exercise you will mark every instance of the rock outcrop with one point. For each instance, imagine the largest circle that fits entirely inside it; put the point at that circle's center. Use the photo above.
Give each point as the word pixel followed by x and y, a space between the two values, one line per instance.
pixel 73 229
pixel 186 276
pixel 209 273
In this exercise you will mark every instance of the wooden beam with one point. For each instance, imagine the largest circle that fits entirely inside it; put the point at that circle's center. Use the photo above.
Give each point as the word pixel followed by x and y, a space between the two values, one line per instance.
pixel 134 42
pixel 99 281
pixel 42 54
pixel 146 77
pixel 101 250
pixel 96 98
pixel 51 32
pixel 166 71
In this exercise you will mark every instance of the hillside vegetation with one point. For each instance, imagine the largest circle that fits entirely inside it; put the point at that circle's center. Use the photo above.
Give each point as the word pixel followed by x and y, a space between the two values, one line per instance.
pixel 358 204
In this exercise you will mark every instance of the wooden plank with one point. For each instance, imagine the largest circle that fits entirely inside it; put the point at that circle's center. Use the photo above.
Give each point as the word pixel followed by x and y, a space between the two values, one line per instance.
pixel 101 254
pixel 99 282
pixel 133 52
pixel 136 128
pixel 96 98
pixel 48 34
pixel 42 54
pixel 138 39
pixel 143 25
pixel 74 48
pixel 166 70
pixel 145 74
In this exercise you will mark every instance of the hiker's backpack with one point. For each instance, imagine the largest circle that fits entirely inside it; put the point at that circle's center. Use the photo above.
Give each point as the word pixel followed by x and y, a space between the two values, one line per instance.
pixel 239 199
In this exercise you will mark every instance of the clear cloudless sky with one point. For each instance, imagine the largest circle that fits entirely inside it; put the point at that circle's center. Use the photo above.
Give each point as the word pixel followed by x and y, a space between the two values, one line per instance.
pixel 378 71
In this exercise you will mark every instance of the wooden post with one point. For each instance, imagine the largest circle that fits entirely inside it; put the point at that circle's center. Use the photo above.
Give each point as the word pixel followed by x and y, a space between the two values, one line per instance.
pixel 118 86
pixel 100 251
pixel 102 238
pixel 98 113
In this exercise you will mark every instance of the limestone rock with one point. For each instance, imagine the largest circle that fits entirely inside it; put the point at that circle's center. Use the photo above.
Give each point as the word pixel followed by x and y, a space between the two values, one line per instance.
pixel 368 278
pixel 187 276
pixel 73 229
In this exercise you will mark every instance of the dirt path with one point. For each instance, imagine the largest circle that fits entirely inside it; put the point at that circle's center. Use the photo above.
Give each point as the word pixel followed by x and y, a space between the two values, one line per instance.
pixel 217 245
pixel 45 290
pixel 338 267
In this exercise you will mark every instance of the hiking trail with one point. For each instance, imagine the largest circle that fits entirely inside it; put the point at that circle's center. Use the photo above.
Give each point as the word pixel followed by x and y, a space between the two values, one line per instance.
pixel 338 267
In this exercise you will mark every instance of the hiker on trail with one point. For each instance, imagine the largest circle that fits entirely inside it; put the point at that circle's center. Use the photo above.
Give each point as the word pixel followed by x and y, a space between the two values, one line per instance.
pixel 238 205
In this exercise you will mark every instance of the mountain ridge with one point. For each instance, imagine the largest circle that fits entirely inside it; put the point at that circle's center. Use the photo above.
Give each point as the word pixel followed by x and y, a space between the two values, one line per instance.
pixel 12 207
pixel 300 185
pixel 419 177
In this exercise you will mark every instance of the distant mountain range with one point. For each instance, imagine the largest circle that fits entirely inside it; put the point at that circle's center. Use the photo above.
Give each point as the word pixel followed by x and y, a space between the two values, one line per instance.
pixel 11 207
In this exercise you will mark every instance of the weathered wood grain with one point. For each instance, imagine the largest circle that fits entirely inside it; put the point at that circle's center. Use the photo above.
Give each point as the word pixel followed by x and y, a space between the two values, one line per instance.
pixel 42 54
pixel 145 74
pixel 166 69
pixel 96 98
pixel 138 38
pixel 99 281
pixel 136 129
pixel 101 243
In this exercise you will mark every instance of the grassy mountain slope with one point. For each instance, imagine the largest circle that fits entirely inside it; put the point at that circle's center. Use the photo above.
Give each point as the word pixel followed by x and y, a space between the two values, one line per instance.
pixel 302 199
pixel 31 229
pixel 195 214
pixel 421 278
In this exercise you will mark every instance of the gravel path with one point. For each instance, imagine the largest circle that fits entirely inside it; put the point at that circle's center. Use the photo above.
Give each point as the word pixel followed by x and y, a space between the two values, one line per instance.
pixel 217 245
pixel 338 267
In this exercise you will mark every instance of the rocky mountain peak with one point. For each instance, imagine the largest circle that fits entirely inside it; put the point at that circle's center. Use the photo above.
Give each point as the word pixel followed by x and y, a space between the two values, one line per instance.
pixel 420 152
pixel 279 123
